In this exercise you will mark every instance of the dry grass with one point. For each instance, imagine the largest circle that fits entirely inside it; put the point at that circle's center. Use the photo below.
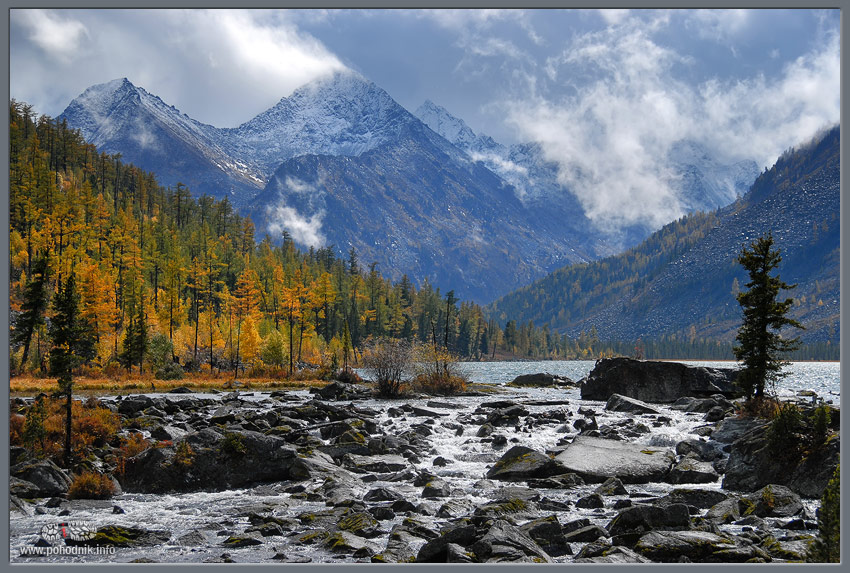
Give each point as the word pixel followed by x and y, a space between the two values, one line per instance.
pixel 28 385
pixel 91 485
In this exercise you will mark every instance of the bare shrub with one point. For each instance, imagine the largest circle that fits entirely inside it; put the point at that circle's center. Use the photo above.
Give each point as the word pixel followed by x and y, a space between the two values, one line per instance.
pixel 388 362
pixel 437 371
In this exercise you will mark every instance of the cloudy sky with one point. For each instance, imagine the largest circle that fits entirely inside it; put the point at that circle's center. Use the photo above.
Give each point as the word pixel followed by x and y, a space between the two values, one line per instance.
pixel 606 93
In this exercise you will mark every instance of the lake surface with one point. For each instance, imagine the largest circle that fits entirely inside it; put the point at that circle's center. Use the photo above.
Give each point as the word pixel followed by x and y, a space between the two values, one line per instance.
pixel 821 377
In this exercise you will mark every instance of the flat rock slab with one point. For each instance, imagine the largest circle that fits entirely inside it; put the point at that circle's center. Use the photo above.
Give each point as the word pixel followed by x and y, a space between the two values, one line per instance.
pixel 620 403
pixel 597 459
pixel 382 463
pixel 669 546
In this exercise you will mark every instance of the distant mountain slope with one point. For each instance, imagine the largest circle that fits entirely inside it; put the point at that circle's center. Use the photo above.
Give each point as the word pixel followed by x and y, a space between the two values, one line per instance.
pixel 681 279
pixel 119 117
pixel 339 162
pixel 377 179
pixel 705 183
pixel 468 232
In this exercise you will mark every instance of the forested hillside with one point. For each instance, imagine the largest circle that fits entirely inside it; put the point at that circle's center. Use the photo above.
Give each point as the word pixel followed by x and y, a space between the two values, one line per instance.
pixel 681 282
pixel 208 294
pixel 189 270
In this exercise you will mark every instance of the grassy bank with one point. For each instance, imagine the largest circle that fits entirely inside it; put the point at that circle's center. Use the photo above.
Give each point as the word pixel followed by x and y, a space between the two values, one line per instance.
pixel 28 386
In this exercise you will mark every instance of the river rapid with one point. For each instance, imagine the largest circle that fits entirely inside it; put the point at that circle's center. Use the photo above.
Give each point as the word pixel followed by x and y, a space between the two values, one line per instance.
pixel 208 518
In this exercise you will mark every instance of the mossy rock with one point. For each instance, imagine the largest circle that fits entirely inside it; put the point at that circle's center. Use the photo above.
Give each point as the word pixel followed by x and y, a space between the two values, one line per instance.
pixel 241 541
pixel 116 536
pixel 313 537
pixel 352 437
pixel 360 523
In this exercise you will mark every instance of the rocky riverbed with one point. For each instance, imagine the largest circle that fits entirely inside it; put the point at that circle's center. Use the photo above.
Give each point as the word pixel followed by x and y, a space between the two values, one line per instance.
pixel 524 475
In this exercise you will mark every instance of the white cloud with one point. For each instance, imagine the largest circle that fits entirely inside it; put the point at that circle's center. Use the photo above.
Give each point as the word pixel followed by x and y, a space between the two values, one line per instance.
pixel 304 230
pixel 626 109
pixel 614 15
pixel 299 186
pixel 59 37
pixel 502 165
pixel 719 25
pixel 474 30
pixel 221 67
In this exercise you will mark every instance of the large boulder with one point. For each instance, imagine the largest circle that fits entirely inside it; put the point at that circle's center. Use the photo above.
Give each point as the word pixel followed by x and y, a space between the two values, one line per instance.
pixel 221 460
pixel 504 543
pixel 597 459
pixel 403 542
pixel 614 555
pixel 697 546
pixel 692 470
pixel 548 534
pixel 437 550
pixel 774 500
pixel 653 381
pixel 620 403
pixel 752 466
pixel 540 380
pixel 699 498
pixel 521 463
pixel 133 405
pixel 45 479
pixel 632 523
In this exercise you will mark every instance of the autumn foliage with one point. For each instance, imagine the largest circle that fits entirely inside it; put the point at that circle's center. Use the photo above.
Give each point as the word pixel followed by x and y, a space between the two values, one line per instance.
pixel 154 261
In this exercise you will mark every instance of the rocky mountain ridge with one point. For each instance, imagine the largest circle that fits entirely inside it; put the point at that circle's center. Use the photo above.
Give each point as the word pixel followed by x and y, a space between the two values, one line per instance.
pixel 682 280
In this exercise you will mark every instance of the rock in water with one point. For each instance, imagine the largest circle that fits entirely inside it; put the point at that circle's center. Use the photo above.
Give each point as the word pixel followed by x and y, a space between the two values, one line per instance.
pixel 42 477
pixel 521 463
pixel 652 381
pixel 620 403
pixel 597 459
pixel 540 380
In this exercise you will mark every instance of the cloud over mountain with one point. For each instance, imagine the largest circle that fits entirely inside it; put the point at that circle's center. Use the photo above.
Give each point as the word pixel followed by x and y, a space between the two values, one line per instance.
pixel 627 105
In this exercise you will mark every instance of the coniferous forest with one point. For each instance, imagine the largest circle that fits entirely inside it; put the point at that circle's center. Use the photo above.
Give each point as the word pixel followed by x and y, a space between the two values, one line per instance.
pixel 166 278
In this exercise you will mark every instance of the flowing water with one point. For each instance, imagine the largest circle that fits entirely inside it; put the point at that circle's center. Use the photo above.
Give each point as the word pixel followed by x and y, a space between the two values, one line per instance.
pixel 215 515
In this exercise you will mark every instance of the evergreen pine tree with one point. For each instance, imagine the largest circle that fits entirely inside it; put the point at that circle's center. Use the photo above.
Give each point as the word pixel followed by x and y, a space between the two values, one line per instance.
pixel 135 341
pixel 72 344
pixel 34 430
pixel 125 358
pixel 759 343
pixel 826 548
pixel 33 307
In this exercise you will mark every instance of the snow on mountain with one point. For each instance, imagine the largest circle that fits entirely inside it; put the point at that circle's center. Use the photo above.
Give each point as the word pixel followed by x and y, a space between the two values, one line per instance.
pixel 343 114
pixel 406 174
pixel 119 117
pixel 705 182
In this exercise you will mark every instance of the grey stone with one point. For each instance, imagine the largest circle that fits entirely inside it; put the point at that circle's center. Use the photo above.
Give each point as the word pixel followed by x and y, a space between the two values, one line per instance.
pixel 691 470
pixel 620 403
pixel 521 463
pixel 597 459
pixel 48 478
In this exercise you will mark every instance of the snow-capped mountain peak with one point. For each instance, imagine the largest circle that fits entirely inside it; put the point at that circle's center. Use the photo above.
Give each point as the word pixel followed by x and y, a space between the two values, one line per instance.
pixel 340 114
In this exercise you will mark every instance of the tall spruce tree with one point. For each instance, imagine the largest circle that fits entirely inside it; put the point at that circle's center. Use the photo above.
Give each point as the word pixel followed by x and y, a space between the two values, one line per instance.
pixel 33 307
pixel 72 344
pixel 760 345
pixel 826 547
pixel 135 341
